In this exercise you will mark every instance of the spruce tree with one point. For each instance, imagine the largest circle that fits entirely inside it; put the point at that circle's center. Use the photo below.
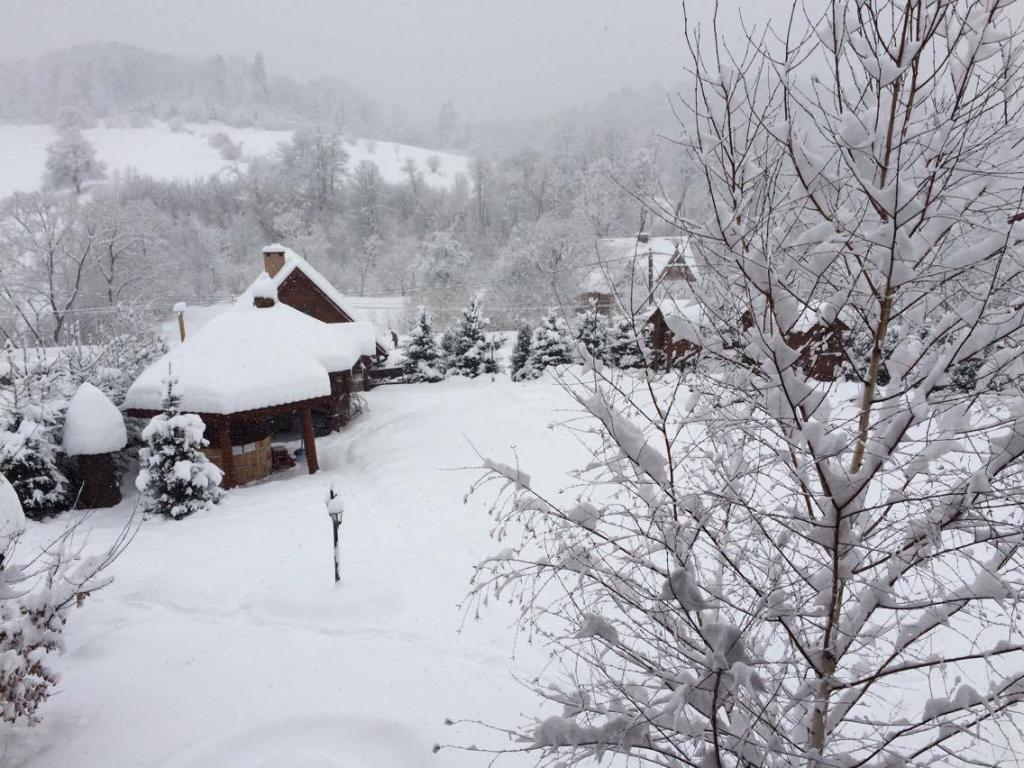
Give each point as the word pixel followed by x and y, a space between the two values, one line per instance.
pixel 592 332
pixel 422 356
pixel 28 459
pixel 175 476
pixel 469 345
pixel 521 351
pixel 551 344
pixel 624 349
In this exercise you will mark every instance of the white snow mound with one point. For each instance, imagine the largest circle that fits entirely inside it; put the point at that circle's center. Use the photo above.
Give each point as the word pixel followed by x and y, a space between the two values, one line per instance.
pixel 93 424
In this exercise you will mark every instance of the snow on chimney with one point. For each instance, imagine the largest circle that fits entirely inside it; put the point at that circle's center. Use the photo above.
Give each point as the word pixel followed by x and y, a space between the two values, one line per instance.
pixel 273 258
pixel 264 292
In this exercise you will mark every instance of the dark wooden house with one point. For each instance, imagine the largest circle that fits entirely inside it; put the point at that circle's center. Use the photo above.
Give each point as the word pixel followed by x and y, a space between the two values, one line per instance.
pixel 819 337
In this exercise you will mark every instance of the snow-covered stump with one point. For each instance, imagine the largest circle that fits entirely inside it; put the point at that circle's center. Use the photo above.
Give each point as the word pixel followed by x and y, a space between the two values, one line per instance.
pixel 93 432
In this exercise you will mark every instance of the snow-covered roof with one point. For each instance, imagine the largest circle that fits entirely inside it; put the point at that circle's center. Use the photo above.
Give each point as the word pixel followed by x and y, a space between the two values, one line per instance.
pixel 233 364
pixel 620 258
pixel 685 318
pixel 93 425
pixel 12 516
pixel 822 313
pixel 336 346
pixel 387 313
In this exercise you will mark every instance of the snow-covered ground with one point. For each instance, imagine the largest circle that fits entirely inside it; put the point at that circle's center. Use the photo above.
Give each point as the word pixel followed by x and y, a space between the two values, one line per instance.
pixel 223 640
pixel 158 151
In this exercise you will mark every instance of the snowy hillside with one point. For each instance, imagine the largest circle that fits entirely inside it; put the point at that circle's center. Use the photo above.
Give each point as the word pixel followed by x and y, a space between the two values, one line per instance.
pixel 187 154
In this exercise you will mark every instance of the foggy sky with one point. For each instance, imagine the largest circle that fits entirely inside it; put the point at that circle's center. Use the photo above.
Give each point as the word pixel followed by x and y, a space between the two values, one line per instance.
pixel 493 58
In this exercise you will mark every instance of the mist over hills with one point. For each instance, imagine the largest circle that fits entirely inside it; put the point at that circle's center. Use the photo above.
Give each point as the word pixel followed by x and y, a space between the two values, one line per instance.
pixel 125 85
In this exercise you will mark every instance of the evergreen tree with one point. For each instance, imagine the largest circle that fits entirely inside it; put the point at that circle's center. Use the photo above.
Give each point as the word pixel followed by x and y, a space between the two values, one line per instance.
pixel 624 349
pixel 422 356
pixel 491 362
pixel 551 344
pixel 28 459
pixel 592 332
pixel 469 345
pixel 175 476
pixel 521 351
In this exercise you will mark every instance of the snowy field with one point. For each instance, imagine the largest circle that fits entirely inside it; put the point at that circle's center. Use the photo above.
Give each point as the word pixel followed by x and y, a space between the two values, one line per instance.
pixel 224 642
pixel 165 154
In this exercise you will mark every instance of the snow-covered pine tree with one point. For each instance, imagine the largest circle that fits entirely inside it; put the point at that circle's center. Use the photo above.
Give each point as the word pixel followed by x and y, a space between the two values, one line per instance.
pixel 521 351
pixel 175 476
pixel 29 461
pixel 492 364
pixel 592 332
pixel 422 356
pixel 625 350
pixel 551 345
pixel 447 348
pixel 469 344
pixel 776 571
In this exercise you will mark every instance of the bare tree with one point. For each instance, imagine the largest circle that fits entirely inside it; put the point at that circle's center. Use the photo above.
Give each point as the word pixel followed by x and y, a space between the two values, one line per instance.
pixel 766 566
pixel 46 247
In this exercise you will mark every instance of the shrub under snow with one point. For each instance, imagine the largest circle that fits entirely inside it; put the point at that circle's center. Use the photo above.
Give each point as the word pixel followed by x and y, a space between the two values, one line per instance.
pixel 175 476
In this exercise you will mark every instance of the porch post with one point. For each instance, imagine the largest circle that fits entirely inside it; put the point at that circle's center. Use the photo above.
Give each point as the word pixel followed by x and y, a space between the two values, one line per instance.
pixel 308 439
pixel 227 458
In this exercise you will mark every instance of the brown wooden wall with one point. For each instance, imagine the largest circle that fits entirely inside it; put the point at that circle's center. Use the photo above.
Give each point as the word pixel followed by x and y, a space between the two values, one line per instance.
pixel 301 293
pixel 821 347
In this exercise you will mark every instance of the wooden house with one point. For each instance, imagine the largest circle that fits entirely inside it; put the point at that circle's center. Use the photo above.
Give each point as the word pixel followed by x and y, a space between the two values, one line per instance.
pixel 634 272
pixel 818 333
pixel 256 363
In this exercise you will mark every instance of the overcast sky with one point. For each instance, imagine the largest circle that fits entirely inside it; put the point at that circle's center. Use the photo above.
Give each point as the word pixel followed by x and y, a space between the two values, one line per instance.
pixel 493 58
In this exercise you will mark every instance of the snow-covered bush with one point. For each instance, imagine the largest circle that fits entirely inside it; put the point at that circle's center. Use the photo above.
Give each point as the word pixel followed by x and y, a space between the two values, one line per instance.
pixel 761 569
pixel 422 356
pixel 36 598
pixel 175 476
pixel 28 459
pixel 592 332
pixel 551 345
pixel 521 350
pixel 470 352
pixel 625 350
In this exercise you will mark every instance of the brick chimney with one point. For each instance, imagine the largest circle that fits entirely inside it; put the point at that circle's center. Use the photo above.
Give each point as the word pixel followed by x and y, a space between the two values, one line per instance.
pixel 264 292
pixel 642 237
pixel 273 259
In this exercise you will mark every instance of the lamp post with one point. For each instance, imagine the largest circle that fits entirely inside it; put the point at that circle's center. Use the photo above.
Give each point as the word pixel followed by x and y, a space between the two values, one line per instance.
pixel 179 310
pixel 335 510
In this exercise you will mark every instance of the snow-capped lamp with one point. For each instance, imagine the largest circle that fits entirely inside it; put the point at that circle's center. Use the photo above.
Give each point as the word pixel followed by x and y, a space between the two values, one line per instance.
pixel 274 256
pixel 335 510
pixel 179 310
pixel 264 292
pixel 93 432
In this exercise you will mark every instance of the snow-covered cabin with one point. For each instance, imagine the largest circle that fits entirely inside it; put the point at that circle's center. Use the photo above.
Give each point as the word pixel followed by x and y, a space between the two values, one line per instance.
pixel 253 364
pixel 637 271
